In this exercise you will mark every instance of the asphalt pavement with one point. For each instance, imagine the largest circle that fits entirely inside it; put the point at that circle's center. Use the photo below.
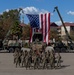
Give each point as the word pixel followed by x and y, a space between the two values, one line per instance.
pixel 8 68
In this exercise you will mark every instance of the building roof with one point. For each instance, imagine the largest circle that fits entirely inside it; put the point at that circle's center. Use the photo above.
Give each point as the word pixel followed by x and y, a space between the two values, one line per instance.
pixel 68 24
pixel 59 27
pixel 52 24
pixel 23 24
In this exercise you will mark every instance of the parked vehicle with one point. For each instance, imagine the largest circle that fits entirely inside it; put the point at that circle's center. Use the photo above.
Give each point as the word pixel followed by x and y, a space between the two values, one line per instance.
pixel 71 45
pixel 1 45
pixel 13 44
pixel 60 46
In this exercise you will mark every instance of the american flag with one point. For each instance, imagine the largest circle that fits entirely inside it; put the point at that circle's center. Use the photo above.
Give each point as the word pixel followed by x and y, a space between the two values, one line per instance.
pixel 40 23
pixel 34 20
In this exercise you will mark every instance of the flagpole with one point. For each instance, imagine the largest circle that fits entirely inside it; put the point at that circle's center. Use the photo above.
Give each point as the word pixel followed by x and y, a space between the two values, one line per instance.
pixel 22 20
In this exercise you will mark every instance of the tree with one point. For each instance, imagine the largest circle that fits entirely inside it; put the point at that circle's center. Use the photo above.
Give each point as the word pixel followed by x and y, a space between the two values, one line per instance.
pixel 26 33
pixel 54 35
pixel 16 29
pixel 7 21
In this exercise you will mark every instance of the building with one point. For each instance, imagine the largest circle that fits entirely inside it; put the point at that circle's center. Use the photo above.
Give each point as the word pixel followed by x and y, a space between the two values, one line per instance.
pixel 61 31
pixel 53 26
pixel 53 32
pixel 69 27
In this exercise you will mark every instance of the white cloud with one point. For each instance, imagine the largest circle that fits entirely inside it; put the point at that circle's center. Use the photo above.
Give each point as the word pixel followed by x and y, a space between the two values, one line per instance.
pixel 1 13
pixel 33 10
pixel 70 12
pixel 7 10
pixel 52 14
pixel 71 22
pixel 58 22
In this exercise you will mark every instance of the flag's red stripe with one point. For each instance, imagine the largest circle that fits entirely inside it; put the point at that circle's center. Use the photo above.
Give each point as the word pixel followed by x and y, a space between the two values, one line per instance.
pixel 42 23
pixel 45 28
pixel 45 24
pixel 48 27
pixel 30 35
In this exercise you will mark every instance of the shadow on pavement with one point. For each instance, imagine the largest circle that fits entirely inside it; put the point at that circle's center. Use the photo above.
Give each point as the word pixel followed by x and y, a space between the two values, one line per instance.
pixel 62 67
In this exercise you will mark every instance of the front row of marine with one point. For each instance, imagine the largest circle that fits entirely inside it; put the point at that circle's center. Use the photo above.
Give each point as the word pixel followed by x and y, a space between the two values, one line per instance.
pixel 34 59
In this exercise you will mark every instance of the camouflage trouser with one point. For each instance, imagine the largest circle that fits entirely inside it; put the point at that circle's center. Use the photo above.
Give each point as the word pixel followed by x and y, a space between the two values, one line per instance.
pixel 45 64
pixel 23 61
pixel 37 63
pixel 58 63
pixel 28 62
pixel 17 61
pixel 52 63
pixel 14 60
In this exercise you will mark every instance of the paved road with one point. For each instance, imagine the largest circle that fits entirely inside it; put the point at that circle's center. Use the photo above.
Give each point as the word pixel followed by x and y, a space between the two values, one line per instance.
pixel 8 68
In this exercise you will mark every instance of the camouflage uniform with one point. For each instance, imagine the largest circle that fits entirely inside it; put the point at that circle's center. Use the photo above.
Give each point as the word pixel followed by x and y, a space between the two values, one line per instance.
pixel 29 60
pixel 23 59
pixel 45 60
pixel 15 56
pixel 52 59
pixel 58 60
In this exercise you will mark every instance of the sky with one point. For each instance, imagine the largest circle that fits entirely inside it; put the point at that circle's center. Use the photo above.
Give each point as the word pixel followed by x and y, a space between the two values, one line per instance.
pixel 66 8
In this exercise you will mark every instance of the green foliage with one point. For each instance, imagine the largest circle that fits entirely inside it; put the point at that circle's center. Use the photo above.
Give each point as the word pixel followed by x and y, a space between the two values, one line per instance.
pixel 54 34
pixel 26 45
pixel 27 31
pixel 16 29
pixel 8 20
